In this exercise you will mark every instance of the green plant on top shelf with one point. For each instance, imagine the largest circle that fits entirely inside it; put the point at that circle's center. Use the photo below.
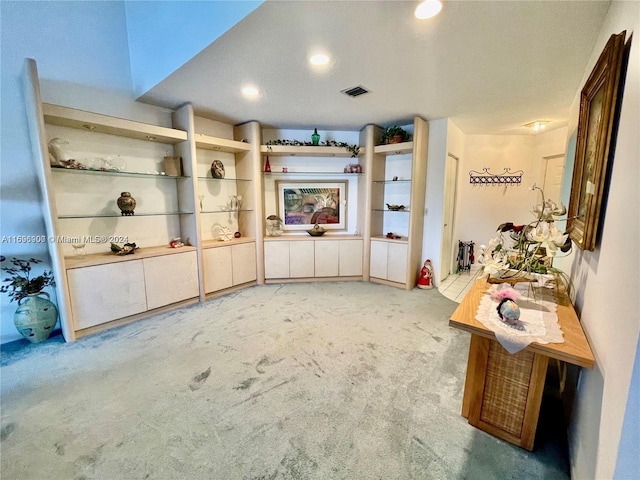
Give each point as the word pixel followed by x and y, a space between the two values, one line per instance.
pixel 394 134
pixel 20 284
pixel 354 149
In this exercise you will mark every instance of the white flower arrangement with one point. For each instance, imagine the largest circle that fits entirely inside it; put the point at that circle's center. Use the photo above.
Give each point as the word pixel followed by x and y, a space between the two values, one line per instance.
pixel 528 250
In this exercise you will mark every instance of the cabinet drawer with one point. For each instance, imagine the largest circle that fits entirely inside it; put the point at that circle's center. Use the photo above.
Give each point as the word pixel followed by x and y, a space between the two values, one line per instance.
pixel 276 259
pixel 217 269
pixel 170 278
pixel 327 258
pixel 301 255
pixel 103 293
pixel 243 259
pixel 350 258
pixel 379 255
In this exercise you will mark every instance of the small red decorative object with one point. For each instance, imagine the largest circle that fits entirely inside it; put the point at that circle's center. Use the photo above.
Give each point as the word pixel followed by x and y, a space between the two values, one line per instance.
pixel 267 166
pixel 176 243
pixel 237 235
pixel 426 276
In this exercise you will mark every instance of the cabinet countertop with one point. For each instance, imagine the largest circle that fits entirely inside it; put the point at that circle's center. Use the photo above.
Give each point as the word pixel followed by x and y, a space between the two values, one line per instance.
pixel 95 259
pixel 326 236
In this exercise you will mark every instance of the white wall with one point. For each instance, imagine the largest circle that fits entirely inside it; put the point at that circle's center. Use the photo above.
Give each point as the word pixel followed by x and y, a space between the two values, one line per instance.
pixel 480 209
pixel 167 34
pixel 607 285
pixel 82 56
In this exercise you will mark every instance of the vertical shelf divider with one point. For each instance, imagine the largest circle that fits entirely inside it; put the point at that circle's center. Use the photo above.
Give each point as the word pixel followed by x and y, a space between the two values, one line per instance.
pixel 188 190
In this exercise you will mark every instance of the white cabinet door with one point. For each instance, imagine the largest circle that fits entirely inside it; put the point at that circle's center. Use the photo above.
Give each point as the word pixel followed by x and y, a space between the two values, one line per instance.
pixel 350 258
pixel 217 269
pixel 170 278
pixel 301 259
pixel 276 259
pixel 378 263
pixel 397 263
pixel 327 254
pixel 243 258
pixel 103 293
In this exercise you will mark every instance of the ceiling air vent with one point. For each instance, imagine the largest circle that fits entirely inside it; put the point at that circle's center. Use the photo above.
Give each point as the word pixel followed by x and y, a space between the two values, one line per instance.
pixel 355 91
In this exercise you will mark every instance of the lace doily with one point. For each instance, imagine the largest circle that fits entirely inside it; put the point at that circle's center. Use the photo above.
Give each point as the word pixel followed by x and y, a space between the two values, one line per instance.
pixel 538 322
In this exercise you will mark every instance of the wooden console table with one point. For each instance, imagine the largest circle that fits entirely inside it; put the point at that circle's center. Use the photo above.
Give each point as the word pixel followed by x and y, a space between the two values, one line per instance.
pixel 503 392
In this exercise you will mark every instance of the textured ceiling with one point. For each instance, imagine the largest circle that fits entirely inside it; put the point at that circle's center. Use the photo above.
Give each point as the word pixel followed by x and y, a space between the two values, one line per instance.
pixel 489 66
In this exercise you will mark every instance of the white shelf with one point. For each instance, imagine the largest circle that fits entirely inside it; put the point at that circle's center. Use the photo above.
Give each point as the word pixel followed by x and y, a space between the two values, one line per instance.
pixel 225 179
pixel 315 174
pixel 217 144
pixel 392 181
pixel 95 122
pixel 114 173
pixel 220 243
pixel 119 215
pixel 307 151
pixel 395 148
pixel 226 211
pixel 379 238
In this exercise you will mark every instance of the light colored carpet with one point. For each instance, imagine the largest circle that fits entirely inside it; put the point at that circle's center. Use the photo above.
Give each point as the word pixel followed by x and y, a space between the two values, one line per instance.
pixel 299 381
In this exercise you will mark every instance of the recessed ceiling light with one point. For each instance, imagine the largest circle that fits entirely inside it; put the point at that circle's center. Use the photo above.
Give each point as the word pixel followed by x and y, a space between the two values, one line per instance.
pixel 250 91
pixel 428 9
pixel 319 59
pixel 538 125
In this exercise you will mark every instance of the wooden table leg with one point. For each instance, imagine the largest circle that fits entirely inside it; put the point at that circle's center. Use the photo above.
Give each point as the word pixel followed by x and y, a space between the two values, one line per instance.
pixel 477 354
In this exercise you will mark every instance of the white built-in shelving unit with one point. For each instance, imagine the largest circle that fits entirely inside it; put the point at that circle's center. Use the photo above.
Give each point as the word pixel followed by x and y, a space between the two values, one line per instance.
pixel 99 290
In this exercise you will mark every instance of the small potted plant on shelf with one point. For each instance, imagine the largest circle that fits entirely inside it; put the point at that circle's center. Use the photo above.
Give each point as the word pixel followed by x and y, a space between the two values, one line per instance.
pixel 35 316
pixel 394 134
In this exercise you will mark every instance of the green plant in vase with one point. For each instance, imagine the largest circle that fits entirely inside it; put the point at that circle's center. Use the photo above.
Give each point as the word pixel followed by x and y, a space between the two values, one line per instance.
pixel 394 134
pixel 35 316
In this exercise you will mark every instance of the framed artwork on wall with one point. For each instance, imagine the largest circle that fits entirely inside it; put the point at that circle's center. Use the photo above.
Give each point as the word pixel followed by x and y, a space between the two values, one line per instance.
pixel 304 203
pixel 598 101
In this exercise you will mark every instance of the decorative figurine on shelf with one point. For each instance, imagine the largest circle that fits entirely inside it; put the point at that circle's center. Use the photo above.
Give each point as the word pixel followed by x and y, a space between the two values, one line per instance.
pixel 225 234
pixel 60 157
pixel 126 249
pixel 508 309
pixel 426 276
pixel 393 236
pixel 267 165
pixel 176 243
pixel 126 203
pixel 315 137
pixel 273 226
pixel 217 169
pixel 316 231
pixel 237 235
pixel 353 168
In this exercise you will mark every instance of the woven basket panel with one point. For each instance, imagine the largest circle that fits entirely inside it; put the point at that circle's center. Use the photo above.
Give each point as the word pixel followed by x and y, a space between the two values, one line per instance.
pixel 506 388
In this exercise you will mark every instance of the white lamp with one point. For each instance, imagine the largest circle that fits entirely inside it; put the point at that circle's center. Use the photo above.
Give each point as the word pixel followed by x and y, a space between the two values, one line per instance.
pixel 428 9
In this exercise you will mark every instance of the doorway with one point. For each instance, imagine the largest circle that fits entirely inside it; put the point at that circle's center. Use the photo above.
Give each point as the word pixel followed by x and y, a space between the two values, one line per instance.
pixel 448 215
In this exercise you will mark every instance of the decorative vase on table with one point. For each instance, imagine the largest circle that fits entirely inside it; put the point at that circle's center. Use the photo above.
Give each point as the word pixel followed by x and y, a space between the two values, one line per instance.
pixel 315 137
pixel 126 203
pixel 35 317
